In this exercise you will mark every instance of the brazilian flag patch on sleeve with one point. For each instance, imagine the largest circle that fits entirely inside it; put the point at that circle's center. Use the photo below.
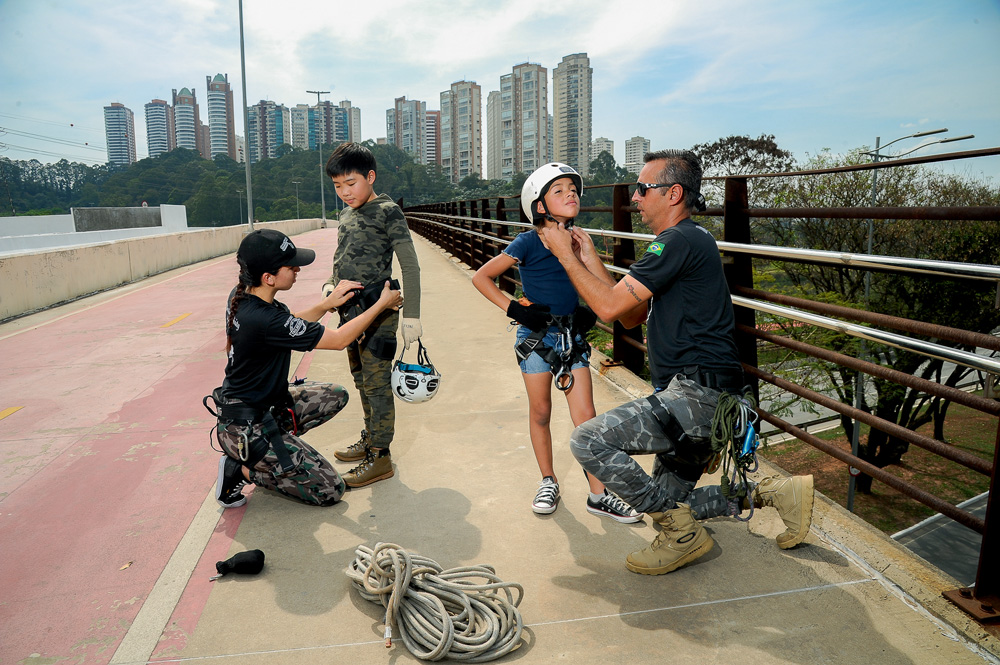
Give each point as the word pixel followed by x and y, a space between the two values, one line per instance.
pixel 655 248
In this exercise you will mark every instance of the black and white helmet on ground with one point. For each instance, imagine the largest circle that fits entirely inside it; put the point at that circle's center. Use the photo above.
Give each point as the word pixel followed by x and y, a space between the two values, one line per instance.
pixel 417 382
pixel 538 183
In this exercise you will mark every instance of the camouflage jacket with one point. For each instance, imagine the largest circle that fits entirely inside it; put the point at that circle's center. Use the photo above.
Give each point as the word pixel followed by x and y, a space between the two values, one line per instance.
pixel 367 237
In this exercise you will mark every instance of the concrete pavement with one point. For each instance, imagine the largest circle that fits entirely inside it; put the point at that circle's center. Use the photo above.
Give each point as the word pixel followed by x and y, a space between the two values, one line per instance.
pixel 109 532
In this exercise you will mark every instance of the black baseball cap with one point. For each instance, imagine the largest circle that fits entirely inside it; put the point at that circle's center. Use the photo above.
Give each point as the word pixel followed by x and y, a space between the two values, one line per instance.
pixel 267 250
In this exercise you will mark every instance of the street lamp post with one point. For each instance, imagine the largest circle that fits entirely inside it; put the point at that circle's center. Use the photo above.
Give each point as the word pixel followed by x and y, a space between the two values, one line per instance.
pixel 246 123
pixel 322 171
pixel 296 183
pixel 239 195
pixel 859 385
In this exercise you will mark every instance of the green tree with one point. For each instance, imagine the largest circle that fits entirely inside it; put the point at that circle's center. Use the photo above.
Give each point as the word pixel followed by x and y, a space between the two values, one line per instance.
pixel 957 303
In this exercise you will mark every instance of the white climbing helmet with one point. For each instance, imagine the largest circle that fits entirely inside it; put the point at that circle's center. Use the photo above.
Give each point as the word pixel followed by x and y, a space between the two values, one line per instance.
pixel 538 183
pixel 415 383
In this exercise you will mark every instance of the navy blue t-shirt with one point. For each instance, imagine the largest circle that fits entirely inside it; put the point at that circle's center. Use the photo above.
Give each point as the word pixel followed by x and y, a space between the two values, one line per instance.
pixel 543 278
pixel 264 336
pixel 690 318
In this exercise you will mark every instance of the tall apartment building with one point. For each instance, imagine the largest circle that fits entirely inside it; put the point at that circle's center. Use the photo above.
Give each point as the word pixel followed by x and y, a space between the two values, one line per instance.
pixel 302 118
pixel 519 122
pixel 221 123
pixel 432 137
pixel 336 123
pixel 187 123
pixel 352 120
pixel 406 126
pixel 572 110
pixel 599 145
pixel 119 130
pixel 159 127
pixel 326 124
pixel 494 129
pixel 269 127
pixel 462 130
pixel 635 148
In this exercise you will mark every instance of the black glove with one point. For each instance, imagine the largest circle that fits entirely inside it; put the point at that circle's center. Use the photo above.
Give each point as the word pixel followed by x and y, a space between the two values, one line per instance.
pixel 534 317
pixel 583 319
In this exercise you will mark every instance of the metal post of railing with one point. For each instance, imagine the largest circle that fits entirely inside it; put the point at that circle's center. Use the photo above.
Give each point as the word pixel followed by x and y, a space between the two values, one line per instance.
pixel 623 254
pixel 739 271
pixel 983 600
pixel 506 282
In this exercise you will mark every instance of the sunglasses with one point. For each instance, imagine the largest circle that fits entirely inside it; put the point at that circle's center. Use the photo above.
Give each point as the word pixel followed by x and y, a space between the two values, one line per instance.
pixel 641 187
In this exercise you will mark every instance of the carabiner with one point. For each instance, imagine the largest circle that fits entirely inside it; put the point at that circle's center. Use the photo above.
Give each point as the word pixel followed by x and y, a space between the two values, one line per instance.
pixel 244 446
pixel 564 372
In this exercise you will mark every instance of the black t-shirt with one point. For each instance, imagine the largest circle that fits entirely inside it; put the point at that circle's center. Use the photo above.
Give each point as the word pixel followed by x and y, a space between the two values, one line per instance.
pixel 264 335
pixel 690 318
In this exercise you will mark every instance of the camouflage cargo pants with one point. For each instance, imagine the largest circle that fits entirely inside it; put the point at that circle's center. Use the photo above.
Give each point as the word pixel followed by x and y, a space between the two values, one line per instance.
pixel 605 447
pixel 314 480
pixel 371 368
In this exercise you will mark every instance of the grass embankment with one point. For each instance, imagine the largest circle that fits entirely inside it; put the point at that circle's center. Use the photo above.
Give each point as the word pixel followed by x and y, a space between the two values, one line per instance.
pixel 885 508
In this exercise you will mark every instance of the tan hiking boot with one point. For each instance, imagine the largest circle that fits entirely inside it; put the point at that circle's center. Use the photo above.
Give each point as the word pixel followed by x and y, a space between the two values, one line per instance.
pixel 355 451
pixel 792 497
pixel 681 540
pixel 373 469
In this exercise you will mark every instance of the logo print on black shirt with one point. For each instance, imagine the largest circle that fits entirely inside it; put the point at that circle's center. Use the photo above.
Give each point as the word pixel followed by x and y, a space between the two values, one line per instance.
pixel 295 326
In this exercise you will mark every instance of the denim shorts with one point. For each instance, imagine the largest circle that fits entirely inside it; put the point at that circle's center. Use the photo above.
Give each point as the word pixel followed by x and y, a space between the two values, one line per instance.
pixel 534 364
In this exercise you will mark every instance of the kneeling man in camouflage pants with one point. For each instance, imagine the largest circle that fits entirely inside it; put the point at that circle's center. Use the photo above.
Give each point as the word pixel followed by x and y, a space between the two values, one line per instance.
pixel 679 290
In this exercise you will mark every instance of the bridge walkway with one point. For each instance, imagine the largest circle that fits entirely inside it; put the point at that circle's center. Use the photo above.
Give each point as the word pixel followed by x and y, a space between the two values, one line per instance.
pixel 109 531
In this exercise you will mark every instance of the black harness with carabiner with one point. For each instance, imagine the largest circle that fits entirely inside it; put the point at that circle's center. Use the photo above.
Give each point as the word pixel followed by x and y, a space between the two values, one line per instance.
pixel 229 411
pixel 571 346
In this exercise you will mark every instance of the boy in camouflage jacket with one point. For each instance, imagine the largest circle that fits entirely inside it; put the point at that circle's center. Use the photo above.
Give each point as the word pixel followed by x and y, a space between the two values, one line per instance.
pixel 371 229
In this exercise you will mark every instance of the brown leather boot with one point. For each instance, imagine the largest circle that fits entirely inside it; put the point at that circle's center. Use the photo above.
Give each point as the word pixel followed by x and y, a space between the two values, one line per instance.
pixel 355 451
pixel 792 497
pixel 375 467
pixel 681 540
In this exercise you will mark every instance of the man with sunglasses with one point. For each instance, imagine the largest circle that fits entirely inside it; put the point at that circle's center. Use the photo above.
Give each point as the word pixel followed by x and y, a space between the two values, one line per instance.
pixel 678 288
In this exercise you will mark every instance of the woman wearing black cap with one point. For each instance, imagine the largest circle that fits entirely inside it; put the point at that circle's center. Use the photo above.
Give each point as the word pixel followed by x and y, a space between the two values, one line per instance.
pixel 260 415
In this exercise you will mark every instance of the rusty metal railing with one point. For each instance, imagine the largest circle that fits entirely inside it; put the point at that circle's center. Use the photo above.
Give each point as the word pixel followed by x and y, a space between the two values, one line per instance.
pixel 475 231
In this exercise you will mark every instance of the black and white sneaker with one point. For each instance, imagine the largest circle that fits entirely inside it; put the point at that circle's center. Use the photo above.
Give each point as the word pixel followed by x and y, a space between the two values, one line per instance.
pixel 547 496
pixel 229 484
pixel 611 506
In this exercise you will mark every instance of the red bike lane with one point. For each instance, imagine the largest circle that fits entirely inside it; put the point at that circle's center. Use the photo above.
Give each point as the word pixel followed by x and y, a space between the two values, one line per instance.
pixel 106 458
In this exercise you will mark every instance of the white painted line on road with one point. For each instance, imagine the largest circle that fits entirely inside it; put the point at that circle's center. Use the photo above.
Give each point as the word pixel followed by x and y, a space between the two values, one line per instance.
pixel 144 633
pixel 686 606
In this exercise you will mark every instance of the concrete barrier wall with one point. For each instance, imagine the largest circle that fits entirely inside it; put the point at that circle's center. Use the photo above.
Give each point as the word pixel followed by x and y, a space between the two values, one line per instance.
pixel 31 282
pixel 35 224
pixel 86 226
pixel 105 219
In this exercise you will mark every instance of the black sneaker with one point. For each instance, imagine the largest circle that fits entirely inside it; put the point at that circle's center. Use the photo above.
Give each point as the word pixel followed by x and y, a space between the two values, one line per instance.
pixel 229 484
pixel 611 506
pixel 547 497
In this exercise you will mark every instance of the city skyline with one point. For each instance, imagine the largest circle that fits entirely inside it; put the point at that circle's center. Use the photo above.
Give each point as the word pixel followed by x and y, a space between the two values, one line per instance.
pixel 816 75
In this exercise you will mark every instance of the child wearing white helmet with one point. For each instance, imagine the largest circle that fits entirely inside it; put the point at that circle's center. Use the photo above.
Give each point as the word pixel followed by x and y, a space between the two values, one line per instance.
pixel 550 337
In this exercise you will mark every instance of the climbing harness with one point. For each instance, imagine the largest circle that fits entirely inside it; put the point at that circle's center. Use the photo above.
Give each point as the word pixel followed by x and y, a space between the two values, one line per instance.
pixel 567 351
pixel 439 613
pixel 246 416
pixel 362 299
pixel 735 440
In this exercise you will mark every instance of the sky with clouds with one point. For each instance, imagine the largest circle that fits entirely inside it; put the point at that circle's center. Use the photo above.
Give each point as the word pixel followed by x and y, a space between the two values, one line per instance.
pixel 817 74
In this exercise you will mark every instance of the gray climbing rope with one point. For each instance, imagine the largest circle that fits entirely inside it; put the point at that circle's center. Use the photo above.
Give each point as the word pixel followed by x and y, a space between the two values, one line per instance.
pixel 465 613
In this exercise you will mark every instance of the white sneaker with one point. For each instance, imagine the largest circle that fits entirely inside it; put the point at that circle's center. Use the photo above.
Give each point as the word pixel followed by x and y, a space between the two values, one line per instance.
pixel 547 496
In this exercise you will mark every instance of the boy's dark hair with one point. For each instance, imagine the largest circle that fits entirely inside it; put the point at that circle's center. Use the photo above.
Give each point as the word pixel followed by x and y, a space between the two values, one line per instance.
pixel 350 158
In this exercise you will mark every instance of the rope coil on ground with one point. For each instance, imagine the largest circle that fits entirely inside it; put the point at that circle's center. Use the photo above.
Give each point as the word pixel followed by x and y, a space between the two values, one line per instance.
pixel 440 613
